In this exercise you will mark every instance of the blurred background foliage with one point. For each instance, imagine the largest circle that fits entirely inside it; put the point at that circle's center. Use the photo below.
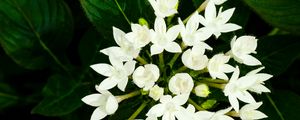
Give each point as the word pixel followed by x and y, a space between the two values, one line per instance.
pixel 48 45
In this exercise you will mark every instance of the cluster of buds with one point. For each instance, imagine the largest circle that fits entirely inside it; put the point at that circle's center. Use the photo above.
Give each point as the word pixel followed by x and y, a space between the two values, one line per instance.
pixel 171 86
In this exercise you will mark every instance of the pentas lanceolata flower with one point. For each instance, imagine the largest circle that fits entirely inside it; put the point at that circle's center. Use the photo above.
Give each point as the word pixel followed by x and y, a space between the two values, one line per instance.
pixel 182 90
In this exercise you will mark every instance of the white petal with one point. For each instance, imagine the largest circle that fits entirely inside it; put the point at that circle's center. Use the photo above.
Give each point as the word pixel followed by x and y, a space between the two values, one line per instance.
pixel 103 69
pixel 193 23
pixel 235 74
pixel 168 116
pixel 173 47
pixel 227 68
pixel 259 89
pixel 253 72
pixel 223 111
pixel 156 49
pixel 226 15
pixel 252 106
pixel 98 114
pixel 122 84
pixel 154 69
pixel 263 76
pixel 173 32
pixel 118 35
pixel 129 67
pixel 210 11
pixel 245 97
pixel 234 103
pixel 111 105
pixel 229 27
pixel 160 25
pixel 204 115
pixel 116 63
pixel 181 99
pixel 157 110
pixel 107 84
pixel 94 99
pixel 250 60
pixel 258 115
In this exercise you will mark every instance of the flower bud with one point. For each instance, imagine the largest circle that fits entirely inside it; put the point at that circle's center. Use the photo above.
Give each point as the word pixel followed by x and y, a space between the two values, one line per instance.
pixel 156 92
pixel 202 90
pixel 143 21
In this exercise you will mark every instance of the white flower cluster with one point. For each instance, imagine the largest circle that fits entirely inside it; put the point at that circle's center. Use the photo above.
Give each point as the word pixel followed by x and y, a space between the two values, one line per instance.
pixel 173 96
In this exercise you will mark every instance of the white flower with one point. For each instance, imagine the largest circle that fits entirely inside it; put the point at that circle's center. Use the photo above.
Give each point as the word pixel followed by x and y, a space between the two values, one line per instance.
pixel 259 78
pixel 151 117
pixel 249 112
pixel 168 107
pixel 237 89
pixel 217 24
pixel 187 114
pixel 156 92
pixel 145 77
pixel 163 39
pixel 181 83
pixel 202 90
pixel 164 8
pixel 217 66
pixel 219 115
pixel 194 58
pixel 190 33
pixel 218 2
pixel 140 35
pixel 117 73
pixel 105 102
pixel 242 47
pixel 126 50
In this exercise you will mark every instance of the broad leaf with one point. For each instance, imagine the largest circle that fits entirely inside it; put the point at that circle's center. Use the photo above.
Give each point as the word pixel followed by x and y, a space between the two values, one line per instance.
pixel 28 27
pixel 283 14
pixel 286 102
pixel 105 13
pixel 62 96
pixel 7 96
pixel 278 52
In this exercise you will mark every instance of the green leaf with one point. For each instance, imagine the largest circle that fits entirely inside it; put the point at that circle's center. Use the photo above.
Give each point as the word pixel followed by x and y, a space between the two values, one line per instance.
pixel 277 52
pixel 105 13
pixel 7 96
pixel 283 14
pixel 29 27
pixel 286 102
pixel 126 109
pixel 62 96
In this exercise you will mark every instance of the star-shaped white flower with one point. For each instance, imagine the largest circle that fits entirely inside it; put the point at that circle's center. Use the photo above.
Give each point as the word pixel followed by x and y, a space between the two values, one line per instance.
pixel 105 102
pixel 163 39
pixel 242 47
pixel 237 89
pixel 117 73
pixel 194 58
pixel 168 107
pixel 219 115
pixel 140 35
pixel 190 33
pixel 126 50
pixel 260 78
pixel 164 8
pixel 187 114
pixel 249 112
pixel 217 24
pixel 145 77
pixel 181 83
pixel 217 66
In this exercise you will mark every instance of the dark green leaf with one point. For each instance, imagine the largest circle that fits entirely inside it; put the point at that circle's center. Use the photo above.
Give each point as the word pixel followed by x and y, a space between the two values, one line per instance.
pixel 62 96
pixel 26 24
pixel 105 13
pixel 126 109
pixel 283 14
pixel 7 96
pixel 287 103
pixel 278 52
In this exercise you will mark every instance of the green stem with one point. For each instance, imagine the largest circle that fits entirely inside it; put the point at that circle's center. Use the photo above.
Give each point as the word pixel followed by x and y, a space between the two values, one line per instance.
pixel 181 69
pixel 195 104
pixel 138 111
pixel 129 95
pixel 161 60
pixel 119 7
pixel 141 60
pixel 211 80
pixel 200 9
pixel 171 63
pixel 37 35
pixel 275 107
pixel 215 85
